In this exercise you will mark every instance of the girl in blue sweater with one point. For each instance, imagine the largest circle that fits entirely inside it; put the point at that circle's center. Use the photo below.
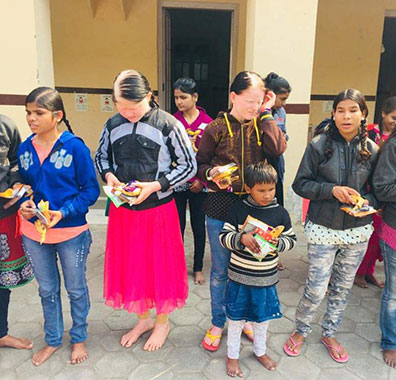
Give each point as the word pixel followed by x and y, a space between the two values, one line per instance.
pixel 58 167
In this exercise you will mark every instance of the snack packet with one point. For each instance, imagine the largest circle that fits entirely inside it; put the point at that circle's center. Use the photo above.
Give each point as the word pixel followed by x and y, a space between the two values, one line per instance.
pixel 358 209
pixel 263 234
pixel 125 193
pixel 15 194
pixel 224 175
pixel 43 219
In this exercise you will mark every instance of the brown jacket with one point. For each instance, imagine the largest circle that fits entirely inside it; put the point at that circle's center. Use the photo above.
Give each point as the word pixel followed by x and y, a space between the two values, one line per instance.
pixel 244 144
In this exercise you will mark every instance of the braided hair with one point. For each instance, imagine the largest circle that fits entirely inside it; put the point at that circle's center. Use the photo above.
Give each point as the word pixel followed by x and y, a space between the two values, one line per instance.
pixel 356 96
pixel 49 98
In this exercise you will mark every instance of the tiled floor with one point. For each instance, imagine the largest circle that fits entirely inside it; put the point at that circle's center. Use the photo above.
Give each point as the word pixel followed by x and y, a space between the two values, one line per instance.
pixel 182 356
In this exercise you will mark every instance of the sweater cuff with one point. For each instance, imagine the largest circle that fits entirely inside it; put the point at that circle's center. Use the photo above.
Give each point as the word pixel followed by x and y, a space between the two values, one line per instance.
pixel 164 183
pixel 238 243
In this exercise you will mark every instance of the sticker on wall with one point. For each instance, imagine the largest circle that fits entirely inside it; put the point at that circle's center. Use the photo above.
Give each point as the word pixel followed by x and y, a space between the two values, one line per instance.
pixel 81 102
pixel 106 103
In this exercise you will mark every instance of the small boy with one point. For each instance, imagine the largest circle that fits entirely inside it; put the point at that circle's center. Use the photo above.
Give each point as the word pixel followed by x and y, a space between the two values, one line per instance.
pixel 251 291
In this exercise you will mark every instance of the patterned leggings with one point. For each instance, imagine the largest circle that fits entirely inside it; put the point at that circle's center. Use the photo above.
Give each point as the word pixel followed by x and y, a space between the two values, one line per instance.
pixel 234 338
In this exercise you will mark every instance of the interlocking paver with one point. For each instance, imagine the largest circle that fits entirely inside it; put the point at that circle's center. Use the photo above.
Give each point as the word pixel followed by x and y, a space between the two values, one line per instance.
pixel 182 357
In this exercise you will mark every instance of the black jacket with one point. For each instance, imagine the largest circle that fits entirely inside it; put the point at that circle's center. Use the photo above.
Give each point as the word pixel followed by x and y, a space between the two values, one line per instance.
pixel 317 176
pixel 384 181
pixel 156 148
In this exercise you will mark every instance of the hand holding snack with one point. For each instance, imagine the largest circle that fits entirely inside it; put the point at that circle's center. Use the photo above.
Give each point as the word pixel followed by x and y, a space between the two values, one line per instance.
pixel 112 180
pixel 147 188
pixel 222 175
pixel 28 209
pixel 360 207
pixel 43 219
pixel 344 194
pixel 248 240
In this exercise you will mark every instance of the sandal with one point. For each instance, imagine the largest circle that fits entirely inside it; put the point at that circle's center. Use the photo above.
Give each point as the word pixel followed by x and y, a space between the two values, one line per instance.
pixel 249 334
pixel 212 338
pixel 291 352
pixel 342 359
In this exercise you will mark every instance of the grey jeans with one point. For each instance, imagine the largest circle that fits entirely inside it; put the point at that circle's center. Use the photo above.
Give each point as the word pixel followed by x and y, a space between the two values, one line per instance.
pixel 338 262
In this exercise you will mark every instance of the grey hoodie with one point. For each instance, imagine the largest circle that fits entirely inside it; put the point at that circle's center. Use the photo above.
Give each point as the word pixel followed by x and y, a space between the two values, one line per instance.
pixel 9 142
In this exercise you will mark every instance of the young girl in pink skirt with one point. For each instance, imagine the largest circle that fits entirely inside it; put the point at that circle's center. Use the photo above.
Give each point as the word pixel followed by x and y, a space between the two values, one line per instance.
pixel 145 265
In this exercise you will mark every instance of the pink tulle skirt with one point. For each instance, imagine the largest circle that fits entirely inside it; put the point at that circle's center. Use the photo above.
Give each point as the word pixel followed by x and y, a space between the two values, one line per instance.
pixel 145 266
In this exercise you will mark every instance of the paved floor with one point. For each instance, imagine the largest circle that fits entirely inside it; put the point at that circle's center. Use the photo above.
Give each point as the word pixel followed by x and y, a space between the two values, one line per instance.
pixel 182 357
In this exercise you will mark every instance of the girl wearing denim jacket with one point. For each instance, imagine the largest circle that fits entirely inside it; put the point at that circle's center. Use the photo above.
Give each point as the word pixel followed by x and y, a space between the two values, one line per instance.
pixel 58 167
pixel 336 164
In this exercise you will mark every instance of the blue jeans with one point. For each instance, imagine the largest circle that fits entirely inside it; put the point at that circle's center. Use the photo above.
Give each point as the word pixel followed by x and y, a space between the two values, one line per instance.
pixel 73 256
pixel 388 301
pixel 218 272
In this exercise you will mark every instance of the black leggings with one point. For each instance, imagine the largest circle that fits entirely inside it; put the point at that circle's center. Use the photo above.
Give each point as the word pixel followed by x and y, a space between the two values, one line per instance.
pixel 197 218
pixel 4 302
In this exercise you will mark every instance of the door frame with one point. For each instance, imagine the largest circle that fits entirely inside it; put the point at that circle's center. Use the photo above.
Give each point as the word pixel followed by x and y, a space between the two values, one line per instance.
pixel 163 7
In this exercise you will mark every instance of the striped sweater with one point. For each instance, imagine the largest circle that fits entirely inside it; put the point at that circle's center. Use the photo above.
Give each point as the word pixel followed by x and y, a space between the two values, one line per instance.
pixel 243 267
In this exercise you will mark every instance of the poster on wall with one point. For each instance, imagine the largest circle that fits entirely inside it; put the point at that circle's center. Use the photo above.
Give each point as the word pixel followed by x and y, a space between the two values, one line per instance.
pixel 81 102
pixel 106 103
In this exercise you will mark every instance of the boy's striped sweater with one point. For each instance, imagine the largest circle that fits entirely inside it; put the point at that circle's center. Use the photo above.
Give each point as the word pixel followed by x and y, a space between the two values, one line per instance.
pixel 243 267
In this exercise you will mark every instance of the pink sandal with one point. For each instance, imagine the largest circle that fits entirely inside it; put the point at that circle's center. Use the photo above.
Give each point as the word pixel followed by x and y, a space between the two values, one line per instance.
pixel 290 352
pixel 342 359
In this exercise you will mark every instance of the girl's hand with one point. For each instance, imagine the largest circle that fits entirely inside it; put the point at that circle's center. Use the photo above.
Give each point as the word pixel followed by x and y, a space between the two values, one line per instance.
pixel 196 186
pixel 250 242
pixel 343 194
pixel 147 189
pixel 274 241
pixel 112 180
pixel 269 100
pixel 220 184
pixel 55 217
pixel 28 209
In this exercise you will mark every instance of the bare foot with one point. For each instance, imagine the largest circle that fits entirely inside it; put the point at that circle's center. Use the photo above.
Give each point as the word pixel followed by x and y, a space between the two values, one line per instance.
pixel 79 353
pixel 297 345
pixel 233 368
pixel 267 362
pixel 332 342
pixel 43 355
pixel 372 280
pixel 390 357
pixel 360 281
pixel 215 331
pixel 143 325
pixel 19 343
pixel 157 337
pixel 199 278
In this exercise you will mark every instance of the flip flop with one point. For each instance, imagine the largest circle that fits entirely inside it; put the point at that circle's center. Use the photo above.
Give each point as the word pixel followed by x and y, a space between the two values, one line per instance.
pixel 249 334
pixel 290 352
pixel 342 359
pixel 212 338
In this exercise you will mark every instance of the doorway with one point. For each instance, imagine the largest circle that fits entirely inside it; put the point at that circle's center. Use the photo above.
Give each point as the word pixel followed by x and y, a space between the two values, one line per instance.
pixel 387 72
pixel 198 45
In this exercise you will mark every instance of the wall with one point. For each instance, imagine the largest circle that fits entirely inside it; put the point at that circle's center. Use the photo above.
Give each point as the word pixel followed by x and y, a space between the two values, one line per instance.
pixel 347 50
pixel 280 37
pixel 92 45
pixel 26 54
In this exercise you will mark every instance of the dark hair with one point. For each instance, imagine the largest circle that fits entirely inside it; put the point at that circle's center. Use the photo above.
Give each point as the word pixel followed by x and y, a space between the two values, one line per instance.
pixel 244 80
pixel 277 84
pixel 187 85
pixel 132 85
pixel 48 98
pixel 388 107
pixel 356 96
pixel 260 172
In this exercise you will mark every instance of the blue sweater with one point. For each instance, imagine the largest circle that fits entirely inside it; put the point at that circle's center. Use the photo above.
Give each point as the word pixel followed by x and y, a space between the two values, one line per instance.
pixel 66 177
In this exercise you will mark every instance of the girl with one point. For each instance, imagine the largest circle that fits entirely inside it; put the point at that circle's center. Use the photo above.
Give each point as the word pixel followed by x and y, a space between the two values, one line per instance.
pixel 243 137
pixel 336 164
pixel 378 133
pixel 58 167
pixel 145 266
pixel 251 290
pixel 281 87
pixel 194 119
pixel 15 268
pixel 384 182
